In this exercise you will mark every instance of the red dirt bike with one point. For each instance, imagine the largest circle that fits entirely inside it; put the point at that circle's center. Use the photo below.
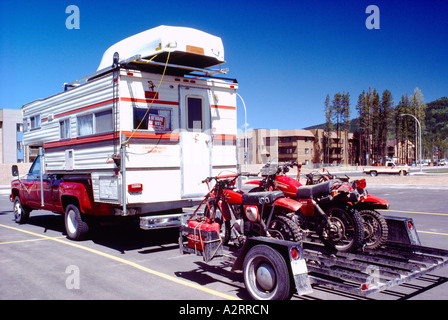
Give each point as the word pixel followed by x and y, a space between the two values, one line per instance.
pixel 239 214
pixel 325 211
pixel 376 230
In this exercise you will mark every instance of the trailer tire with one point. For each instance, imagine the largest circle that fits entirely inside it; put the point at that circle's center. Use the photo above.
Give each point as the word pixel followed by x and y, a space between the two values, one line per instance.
pixel 75 227
pixel 266 275
pixel 21 213
pixel 373 173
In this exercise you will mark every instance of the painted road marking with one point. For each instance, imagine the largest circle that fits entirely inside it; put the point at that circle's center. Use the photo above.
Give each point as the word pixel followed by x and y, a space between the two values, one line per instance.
pixel 30 240
pixel 129 263
pixel 419 212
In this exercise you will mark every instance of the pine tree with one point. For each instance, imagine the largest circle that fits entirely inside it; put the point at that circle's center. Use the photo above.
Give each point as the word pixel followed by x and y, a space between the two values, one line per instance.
pixel 328 128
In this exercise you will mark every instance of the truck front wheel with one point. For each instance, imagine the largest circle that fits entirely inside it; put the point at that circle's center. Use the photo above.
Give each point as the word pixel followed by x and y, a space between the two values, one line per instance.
pixel 21 213
pixel 266 274
pixel 75 227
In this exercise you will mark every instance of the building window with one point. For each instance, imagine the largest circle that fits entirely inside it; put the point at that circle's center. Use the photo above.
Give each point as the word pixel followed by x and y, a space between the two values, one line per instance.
pixel 307 150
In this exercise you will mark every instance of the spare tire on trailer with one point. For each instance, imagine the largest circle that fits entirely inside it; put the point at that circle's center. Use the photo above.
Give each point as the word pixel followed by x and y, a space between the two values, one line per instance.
pixel 266 274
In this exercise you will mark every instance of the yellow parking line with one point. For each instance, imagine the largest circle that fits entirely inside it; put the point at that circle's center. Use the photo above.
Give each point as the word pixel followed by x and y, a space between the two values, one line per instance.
pixel 130 263
pixel 430 232
pixel 419 212
pixel 29 240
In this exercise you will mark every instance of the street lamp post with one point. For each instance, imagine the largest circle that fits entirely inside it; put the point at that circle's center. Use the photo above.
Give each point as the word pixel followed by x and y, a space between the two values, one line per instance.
pixel 420 137
pixel 245 130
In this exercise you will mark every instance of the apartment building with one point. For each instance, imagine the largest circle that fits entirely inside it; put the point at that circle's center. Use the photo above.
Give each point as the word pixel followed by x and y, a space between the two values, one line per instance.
pixel 305 146
pixel 11 136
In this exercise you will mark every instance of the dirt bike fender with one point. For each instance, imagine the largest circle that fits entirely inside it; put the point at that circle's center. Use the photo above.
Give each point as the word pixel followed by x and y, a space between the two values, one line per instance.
pixel 288 203
pixel 224 207
pixel 255 182
pixel 373 202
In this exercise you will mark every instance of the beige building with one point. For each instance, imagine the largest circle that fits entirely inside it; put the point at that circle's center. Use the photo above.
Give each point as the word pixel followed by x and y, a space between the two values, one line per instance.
pixel 305 146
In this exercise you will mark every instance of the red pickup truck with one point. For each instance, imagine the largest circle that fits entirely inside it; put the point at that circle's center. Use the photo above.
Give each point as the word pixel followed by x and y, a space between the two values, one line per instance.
pixel 69 194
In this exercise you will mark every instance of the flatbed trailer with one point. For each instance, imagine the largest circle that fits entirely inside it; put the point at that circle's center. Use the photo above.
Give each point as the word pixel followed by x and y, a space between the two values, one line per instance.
pixel 401 259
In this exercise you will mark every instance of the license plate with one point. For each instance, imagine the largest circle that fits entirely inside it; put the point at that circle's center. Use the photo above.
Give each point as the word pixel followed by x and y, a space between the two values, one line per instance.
pixel 299 266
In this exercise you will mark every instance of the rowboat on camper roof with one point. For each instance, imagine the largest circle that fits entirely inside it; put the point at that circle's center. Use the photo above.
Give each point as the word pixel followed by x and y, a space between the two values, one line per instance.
pixel 188 47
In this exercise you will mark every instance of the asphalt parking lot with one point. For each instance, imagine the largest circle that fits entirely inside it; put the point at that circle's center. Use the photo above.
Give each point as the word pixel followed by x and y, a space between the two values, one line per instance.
pixel 123 262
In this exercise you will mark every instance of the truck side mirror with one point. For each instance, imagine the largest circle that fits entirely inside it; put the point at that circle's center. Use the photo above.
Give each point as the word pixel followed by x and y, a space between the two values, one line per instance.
pixel 15 171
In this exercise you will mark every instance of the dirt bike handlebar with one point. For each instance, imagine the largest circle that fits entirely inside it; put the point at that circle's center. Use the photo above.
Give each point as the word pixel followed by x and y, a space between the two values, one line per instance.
pixel 230 176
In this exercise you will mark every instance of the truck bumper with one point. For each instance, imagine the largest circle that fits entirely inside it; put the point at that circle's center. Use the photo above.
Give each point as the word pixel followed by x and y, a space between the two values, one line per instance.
pixel 163 221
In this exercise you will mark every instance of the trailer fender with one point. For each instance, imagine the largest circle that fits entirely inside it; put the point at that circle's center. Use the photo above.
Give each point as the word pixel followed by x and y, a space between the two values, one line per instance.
pixel 292 252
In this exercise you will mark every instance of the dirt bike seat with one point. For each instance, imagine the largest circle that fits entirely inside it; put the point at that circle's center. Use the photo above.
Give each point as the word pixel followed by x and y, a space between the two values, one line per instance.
pixel 264 197
pixel 314 191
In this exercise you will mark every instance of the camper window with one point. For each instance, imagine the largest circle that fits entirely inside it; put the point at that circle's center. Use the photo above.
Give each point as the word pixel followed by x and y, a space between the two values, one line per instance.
pixel 194 114
pixel 157 119
pixel 64 127
pixel 85 125
pixel 96 123
pixel 103 121
pixel 35 122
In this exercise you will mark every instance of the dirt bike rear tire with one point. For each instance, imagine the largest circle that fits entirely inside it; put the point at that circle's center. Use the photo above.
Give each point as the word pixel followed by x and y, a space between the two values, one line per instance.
pixel 289 229
pixel 345 214
pixel 374 220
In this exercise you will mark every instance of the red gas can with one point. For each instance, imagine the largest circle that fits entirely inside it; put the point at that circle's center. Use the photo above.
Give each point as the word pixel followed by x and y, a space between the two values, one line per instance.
pixel 198 239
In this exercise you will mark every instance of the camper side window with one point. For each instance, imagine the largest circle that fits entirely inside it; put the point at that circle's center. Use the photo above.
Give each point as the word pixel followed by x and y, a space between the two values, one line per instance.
pixel 64 127
pixel 35 122
pixel 96 123
pixel 85 125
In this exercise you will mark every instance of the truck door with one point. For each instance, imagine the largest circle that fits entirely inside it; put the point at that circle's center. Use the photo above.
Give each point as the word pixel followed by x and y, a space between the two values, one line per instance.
pixel 195 139
pixel 32 185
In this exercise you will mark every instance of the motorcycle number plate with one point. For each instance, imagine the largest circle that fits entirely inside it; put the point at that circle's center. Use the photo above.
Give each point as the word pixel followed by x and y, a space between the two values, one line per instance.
pixel 298 266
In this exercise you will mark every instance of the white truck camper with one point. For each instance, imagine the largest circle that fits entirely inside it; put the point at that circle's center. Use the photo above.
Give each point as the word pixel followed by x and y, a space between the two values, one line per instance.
pixel 147 127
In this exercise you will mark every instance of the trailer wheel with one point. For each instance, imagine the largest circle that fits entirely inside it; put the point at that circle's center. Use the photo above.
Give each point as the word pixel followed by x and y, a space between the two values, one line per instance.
pixel 21 213
pixel 373 173
pixel 266 275
pixel 75 227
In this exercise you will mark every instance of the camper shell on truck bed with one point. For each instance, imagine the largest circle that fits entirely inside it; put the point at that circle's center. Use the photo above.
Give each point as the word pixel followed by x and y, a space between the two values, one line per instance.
pixel 142 131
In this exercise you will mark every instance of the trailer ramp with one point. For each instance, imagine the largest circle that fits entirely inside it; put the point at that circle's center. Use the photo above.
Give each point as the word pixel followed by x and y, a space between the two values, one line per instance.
pixel 370 271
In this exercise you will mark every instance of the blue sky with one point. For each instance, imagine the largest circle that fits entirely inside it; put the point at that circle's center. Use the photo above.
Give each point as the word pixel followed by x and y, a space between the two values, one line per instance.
pixel 286 55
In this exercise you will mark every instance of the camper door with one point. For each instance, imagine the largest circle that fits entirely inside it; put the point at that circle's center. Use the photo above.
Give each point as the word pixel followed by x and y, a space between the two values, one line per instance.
pixel 195 139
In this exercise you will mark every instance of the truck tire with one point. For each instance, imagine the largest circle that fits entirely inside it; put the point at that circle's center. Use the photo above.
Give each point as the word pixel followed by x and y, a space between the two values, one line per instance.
pixel 373 173
pixel 266 275
pixel 75 227
pixel 21 213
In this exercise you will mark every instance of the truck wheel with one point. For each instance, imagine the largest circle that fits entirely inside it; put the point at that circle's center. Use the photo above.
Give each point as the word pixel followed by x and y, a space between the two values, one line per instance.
pixel 21 213
pixel 75 227
pixel 373 173
pixel 266 274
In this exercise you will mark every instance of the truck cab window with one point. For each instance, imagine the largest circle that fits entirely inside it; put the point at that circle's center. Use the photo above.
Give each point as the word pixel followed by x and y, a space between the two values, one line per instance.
pixel 35 169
